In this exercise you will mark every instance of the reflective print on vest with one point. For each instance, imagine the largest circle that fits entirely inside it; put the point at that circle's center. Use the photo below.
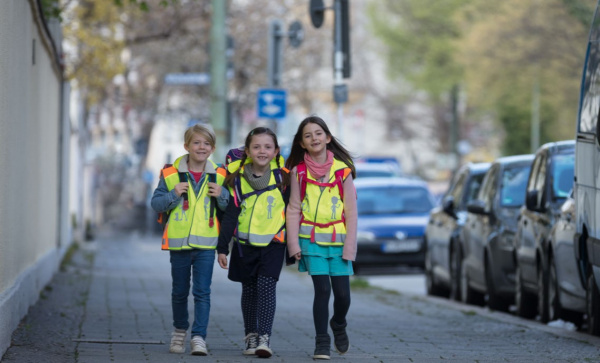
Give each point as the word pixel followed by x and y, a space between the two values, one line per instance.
pixel 323 209
pixel 180 233
pixel 262 215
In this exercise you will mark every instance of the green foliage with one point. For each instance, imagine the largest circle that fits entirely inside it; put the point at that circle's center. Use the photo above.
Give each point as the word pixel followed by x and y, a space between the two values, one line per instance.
pixel 496 51
pixel 51 9
pixel 420 36
pixel 580 10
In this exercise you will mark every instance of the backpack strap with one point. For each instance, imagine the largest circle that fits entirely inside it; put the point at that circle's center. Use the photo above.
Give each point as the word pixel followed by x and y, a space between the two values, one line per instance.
pixel 339 176
pixel 212 178
pixel 239 197
pixel 183 179
pixel 302 176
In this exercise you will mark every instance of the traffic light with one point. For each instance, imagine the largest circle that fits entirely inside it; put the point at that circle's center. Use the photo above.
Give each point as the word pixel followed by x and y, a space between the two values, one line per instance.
pixel 344 19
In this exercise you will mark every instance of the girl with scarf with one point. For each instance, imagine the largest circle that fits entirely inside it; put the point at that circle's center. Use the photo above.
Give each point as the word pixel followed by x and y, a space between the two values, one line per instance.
pixel 321 226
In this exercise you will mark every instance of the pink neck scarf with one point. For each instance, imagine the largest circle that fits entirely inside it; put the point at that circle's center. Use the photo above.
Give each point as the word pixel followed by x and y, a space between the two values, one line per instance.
pixel 318 170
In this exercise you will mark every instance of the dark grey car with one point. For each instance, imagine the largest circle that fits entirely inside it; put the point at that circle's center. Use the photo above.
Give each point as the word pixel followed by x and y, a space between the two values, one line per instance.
pixel 445 222
pixel 549 184
pixel 486 240
pixel 565 290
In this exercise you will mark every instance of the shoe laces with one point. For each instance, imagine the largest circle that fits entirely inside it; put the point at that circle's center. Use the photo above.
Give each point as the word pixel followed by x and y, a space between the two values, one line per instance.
pixel 251 342
pixel 263 340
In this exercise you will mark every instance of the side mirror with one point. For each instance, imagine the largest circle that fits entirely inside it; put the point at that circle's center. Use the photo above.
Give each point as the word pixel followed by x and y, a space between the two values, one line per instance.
pixel 476 207
pixel 448 207
pixel 531 200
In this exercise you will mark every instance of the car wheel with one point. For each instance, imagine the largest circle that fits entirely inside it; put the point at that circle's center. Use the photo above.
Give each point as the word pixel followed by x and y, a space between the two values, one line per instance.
pixel 495 301
pixel 526 306
pixel 433 288
pixel 593 305
pixel 468 294
pixel 455 272
pixel 543 295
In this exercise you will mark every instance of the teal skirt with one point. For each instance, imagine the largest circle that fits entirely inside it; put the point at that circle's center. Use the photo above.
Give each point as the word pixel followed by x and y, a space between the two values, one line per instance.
pixel 323 260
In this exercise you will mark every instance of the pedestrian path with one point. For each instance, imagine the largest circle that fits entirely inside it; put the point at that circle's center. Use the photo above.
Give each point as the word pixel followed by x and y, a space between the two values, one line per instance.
pixel 118 310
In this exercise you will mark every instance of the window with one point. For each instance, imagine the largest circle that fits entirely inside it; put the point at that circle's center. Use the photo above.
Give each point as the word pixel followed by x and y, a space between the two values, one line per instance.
pixel 562 175
pixel 489 187
pixel 458 188
pixel 472 188
pixel 514 182
pixel 588 117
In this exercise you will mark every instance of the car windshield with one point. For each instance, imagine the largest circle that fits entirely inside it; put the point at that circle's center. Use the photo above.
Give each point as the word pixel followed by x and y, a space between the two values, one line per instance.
pixel 562 175
pixel 393 200
pixel 514 182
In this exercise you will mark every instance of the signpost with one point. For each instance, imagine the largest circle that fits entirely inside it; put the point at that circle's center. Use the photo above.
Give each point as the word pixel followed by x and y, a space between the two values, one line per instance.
pixel 271 103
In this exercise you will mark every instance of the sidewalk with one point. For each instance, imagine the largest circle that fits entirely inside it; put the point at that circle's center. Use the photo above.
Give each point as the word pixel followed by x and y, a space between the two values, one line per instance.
pixel 116 308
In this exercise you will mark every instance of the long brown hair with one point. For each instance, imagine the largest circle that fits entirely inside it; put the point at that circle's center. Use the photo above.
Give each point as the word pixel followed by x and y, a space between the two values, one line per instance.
pixel 335 146
pixel 230 179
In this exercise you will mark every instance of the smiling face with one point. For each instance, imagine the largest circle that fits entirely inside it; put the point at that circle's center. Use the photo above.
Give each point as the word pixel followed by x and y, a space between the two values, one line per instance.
pixel 262 150
pixel 199 148
pixel 314 139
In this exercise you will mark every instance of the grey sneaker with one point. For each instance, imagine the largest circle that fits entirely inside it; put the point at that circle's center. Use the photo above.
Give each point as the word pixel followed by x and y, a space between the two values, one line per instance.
pixel 251 341
pixel 263 350
pixel 177 339
pixel 198 346
pixel 322 346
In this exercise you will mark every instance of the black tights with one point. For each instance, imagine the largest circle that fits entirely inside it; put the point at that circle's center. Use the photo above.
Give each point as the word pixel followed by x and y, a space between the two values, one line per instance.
pixel 341 300
pixel 258 304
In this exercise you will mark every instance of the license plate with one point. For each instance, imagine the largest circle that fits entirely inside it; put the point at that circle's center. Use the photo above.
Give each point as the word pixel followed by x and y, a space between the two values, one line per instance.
pixel 401 246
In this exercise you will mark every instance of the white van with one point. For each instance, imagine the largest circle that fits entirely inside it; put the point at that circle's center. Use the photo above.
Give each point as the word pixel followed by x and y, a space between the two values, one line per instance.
pixel 587 179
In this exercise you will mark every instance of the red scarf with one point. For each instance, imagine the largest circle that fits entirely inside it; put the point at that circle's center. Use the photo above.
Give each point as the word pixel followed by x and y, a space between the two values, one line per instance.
pixel 318 170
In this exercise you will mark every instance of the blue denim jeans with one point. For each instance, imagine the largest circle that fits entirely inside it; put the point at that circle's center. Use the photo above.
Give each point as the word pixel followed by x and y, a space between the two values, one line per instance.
pixel 197 264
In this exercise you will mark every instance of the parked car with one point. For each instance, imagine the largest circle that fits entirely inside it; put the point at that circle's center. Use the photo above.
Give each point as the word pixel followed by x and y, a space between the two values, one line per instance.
pixel 380 170
pixel 392 215
pixel 445 222
pixel 486 239
pixel 550 182
pixel 566 292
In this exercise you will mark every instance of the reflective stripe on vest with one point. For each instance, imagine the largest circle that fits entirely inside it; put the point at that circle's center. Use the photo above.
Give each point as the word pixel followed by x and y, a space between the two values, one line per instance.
pixel 262 215
pixel 322 218
pixel 180 232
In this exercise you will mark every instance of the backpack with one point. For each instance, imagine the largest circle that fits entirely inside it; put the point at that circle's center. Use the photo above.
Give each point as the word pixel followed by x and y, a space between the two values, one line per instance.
pixel 340 176
pixel 163 217
pixel 338 182
pixel 233 154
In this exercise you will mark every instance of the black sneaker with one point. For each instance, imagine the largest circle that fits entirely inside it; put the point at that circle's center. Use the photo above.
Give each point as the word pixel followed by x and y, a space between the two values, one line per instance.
pixel 263 350
pixel 340 338
pixel 322 346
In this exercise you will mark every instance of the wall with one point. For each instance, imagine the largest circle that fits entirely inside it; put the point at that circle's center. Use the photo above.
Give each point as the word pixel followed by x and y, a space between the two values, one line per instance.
pixel 31 245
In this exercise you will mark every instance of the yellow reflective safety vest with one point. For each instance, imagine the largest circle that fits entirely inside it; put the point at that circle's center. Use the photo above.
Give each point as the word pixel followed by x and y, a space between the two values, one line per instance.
pixel 193 225
pixel 262 216
pixel 323 205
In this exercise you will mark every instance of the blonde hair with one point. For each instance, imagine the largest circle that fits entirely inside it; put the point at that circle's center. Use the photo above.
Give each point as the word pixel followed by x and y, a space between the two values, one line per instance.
pixel 204 130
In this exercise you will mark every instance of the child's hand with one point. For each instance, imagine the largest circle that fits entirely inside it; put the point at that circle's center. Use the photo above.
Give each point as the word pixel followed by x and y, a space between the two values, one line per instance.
pixel 214 189
pixel 222 258
pixel 298 255
pixel 181 188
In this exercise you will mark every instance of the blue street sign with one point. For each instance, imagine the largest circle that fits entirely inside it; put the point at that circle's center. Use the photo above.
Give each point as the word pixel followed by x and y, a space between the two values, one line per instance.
pixel 271 103
pixel 187 78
